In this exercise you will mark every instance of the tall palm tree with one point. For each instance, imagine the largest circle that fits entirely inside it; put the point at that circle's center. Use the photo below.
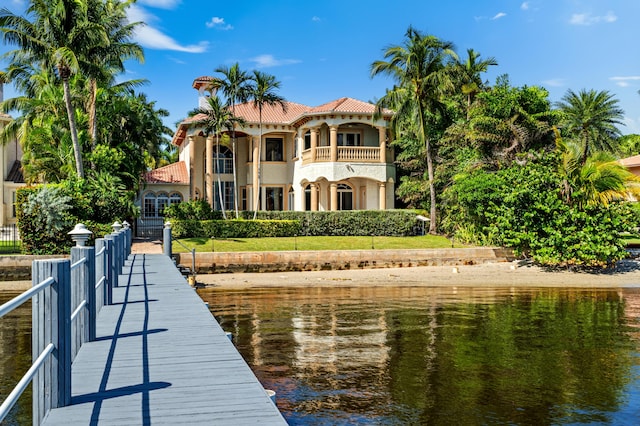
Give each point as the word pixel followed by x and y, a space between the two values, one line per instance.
pixel 59 33
pixel 591 118
pixel 419 68
pixel 262 92
pixel 234 85
pixel 102 62
pixel 217 118
pixel 468 73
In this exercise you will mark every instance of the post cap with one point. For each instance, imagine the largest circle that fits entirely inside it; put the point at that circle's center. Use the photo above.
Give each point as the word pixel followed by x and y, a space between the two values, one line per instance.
pixel 80 234
pixel 116 226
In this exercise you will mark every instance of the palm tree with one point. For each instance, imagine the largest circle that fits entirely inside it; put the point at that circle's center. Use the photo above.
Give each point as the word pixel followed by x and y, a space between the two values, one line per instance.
pixel 468 74
pixel 59 34
pixel 419 67
pixel 102 62
pixel 262 93
pixel 591 117
pixel 598 180
pixel 217 118
pixel 234 85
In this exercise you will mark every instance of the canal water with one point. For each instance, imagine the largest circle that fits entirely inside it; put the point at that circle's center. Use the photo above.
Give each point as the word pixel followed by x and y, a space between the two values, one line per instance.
pixel 420 356
pixel 441 356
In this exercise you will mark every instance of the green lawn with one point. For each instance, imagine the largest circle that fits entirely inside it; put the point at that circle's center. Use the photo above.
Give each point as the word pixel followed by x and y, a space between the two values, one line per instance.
pixel 313 243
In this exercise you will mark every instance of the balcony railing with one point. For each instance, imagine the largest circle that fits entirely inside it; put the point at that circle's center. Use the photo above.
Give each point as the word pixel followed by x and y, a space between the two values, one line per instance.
pixel 355 154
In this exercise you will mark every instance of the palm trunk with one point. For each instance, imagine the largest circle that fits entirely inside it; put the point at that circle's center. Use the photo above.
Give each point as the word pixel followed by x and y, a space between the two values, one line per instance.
pixel 93 121
pixel 256 197
pixel 235 169
pixel 72 127
pixel 432 192
pixel 220 197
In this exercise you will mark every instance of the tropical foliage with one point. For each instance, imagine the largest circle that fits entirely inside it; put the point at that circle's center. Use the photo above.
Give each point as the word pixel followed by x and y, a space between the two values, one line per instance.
pixel 503 165
pixel 72 116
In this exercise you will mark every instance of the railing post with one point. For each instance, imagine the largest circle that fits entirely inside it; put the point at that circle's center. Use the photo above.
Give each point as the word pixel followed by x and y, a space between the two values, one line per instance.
pixel 127 240
pixel 112 273
pixel 52 324
pixel 166 239
pixel 101 271
pixel 86 276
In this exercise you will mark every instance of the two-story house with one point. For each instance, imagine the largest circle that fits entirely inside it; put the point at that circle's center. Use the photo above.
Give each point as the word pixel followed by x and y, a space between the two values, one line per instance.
pixel 334 156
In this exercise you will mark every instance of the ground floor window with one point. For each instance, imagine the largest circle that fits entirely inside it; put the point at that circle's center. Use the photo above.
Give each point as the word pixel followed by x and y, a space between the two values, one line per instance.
pixel 153 204
pixel 307 198
pixel 274 199
pixel 345 197
pixel 226 190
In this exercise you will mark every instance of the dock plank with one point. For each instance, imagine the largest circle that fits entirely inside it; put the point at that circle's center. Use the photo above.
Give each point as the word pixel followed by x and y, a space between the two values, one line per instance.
pixel 160 357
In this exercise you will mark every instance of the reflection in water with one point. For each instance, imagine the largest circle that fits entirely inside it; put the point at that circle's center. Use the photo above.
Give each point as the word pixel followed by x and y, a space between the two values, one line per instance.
pixel 441 356
pixel 15 357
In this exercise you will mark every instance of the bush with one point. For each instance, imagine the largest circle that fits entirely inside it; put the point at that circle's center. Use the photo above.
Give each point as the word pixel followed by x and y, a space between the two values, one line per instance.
pixel 46 213
pixel 191 210
pixel 521 207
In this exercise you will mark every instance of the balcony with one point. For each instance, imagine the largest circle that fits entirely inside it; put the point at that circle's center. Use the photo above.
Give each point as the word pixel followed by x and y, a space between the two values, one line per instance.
pixel 353 154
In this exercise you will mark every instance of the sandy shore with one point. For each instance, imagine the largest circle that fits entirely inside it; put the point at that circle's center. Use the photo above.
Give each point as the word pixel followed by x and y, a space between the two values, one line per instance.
pixel 627 274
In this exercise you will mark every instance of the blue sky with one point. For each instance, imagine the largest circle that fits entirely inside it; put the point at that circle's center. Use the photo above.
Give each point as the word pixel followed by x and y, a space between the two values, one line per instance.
pixel 322 50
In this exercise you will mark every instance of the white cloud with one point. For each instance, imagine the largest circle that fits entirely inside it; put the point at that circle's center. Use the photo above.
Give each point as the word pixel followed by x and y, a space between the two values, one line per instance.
pixel 525 5
pixel 266 61
pixel 499 15
pixel 588 19
pixel 625 81
pixel 219 23
pixel 152 38
pixel 555 82
pixel 316 19
pixel 161 4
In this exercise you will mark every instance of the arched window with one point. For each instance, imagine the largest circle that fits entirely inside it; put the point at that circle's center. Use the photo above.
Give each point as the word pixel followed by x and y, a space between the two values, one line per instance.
pixel 154 204
pixel 223 159
pixel 345 197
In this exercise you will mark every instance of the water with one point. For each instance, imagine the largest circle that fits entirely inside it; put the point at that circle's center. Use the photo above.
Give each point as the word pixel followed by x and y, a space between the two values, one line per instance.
pixel 410 356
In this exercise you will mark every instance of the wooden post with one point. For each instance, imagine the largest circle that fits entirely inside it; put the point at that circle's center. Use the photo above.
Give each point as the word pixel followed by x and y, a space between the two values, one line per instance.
pixel 112 274
pixel 51 323
pixel 86 276
pixel 166 239
pixel 101 271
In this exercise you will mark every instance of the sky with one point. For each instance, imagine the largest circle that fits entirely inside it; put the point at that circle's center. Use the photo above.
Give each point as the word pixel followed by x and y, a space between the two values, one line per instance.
pixel 322 50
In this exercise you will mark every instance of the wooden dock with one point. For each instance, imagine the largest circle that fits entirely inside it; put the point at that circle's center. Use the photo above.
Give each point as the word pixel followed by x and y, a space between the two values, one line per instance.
pixel 161 358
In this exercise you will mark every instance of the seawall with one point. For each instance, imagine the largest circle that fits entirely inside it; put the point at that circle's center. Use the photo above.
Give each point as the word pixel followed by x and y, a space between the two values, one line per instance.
pixel 281 261
pixel 18 267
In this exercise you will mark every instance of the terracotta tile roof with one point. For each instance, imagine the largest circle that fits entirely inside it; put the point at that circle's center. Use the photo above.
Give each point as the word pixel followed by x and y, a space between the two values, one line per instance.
pixel 630 161
pixel 271 114
pixel 346 105
pixel 201 81
pixel 172 173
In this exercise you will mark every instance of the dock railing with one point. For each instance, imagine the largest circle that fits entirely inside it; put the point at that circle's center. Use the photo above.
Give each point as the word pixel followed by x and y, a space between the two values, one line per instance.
pixel 67 295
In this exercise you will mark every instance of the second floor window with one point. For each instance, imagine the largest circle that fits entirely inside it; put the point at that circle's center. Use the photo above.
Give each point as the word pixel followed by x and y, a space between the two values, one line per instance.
pixel 274 149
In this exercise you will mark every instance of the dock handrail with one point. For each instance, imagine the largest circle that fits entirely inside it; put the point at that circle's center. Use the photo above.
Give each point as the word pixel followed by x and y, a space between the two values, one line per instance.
pixel 83 282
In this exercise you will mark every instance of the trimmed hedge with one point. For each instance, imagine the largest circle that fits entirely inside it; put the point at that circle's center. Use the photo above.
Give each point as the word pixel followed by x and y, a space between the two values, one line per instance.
pixel 234 228
pixel 292 223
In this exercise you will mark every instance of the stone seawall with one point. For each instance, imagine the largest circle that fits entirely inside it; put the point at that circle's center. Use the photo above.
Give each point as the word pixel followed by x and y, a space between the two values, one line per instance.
pixel 281 261
pixel 18 267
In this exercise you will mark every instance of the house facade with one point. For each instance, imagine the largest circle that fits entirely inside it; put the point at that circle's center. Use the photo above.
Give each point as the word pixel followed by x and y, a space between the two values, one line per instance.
pixel 11 177
pixel 334 156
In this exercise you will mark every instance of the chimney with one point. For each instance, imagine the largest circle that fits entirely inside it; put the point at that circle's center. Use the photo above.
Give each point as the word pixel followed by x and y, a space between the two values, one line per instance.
pixel 202 85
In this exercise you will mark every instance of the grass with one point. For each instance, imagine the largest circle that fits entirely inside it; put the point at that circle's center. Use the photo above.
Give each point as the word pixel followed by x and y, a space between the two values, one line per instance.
pixel 313 243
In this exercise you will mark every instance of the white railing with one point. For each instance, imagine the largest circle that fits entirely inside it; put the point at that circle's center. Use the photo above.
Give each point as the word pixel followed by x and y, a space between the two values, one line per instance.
pixel 67 295
pixel 355 154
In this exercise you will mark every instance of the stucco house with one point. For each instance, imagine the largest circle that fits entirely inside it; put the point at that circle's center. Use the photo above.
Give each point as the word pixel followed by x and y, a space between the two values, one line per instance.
pixel 329 157
pixel 10 174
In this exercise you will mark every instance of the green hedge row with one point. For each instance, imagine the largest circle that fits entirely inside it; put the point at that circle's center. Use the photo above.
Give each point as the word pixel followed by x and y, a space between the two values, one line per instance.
pixel 281 223
pixel 234 228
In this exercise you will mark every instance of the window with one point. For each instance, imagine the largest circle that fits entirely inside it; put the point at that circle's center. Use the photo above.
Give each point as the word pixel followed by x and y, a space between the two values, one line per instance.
pixel 345 197
pixel 307 140
pixel 243 198
pixel 290 199
pixel 349 139
pixel 227 195
pixel 223 160
pixel 307 198
pixel 274 198
pixel 154 204
pixel 274 149
pixel 13 203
